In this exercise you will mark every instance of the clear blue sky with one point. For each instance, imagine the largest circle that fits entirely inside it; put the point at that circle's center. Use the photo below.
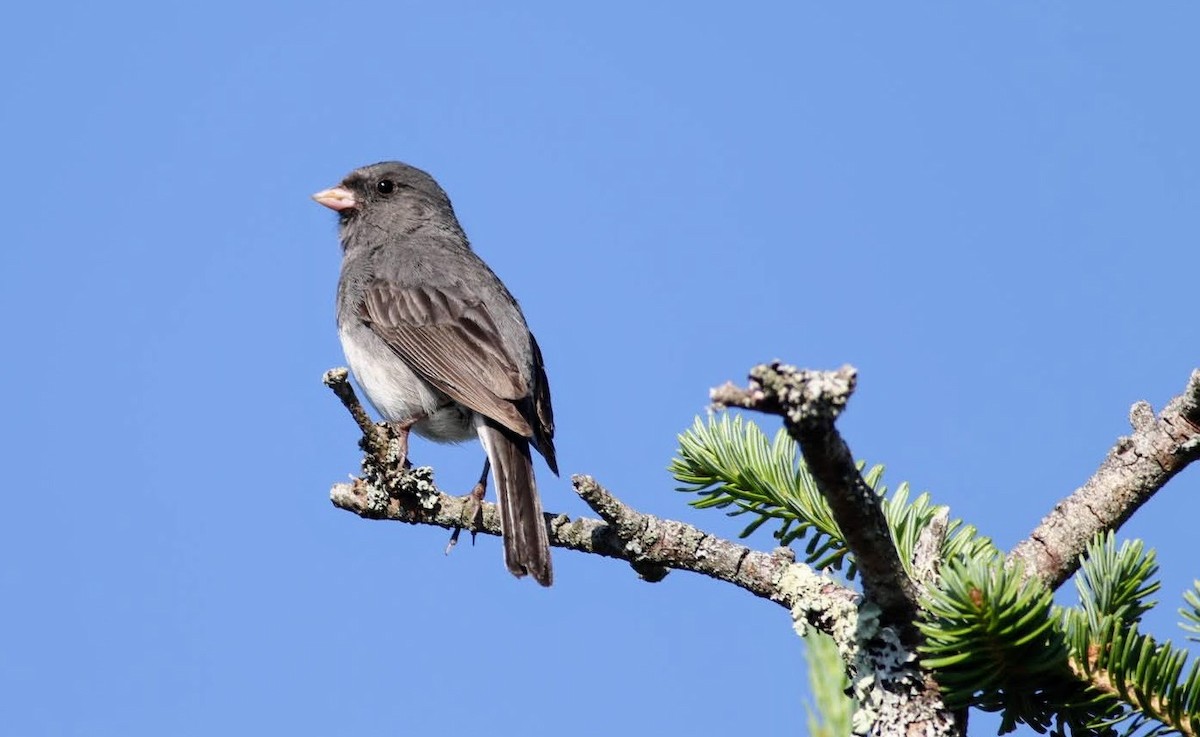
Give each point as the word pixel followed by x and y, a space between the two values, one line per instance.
pixel 990 210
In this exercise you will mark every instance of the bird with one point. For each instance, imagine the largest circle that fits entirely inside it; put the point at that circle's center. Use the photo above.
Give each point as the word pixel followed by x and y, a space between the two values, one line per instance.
pixel 439 345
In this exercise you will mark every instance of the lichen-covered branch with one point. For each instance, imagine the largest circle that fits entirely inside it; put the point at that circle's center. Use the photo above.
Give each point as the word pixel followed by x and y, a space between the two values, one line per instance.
pixel 374 439
pixel 895 697
pixel 1136 467
pixel 650 544
pixel 810 402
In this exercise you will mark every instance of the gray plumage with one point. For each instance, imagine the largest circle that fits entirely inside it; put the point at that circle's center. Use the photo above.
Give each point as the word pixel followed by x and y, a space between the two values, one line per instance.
pixel 438 343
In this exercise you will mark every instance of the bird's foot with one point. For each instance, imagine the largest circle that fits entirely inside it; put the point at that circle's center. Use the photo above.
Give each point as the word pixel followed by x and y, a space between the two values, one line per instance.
pixel 472 514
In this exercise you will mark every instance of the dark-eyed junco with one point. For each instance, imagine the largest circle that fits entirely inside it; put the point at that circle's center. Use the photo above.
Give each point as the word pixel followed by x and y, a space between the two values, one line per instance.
pixel 437 342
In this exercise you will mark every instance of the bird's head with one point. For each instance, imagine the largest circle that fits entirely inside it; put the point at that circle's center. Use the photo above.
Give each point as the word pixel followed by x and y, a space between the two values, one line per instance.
pixel 390 195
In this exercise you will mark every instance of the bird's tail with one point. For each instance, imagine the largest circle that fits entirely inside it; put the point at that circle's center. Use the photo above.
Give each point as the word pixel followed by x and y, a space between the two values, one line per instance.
pixel 526 547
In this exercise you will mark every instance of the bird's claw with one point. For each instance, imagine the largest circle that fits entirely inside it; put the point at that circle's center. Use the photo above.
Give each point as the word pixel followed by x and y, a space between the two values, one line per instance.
pixel 472 513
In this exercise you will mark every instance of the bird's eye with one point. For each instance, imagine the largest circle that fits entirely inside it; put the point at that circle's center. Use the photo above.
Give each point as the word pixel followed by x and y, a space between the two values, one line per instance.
pixel 385 186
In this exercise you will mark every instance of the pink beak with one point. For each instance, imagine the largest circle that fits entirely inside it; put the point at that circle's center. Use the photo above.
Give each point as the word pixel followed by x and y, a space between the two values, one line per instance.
pixel 336 198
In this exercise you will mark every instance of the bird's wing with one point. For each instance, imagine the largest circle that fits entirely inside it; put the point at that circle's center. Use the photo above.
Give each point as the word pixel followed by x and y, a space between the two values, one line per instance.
pixel 543 412
pixel 452 342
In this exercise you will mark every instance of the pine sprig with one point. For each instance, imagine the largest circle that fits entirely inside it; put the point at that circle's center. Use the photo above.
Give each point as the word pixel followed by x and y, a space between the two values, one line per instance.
pixel 909 519
pixel 1141 677
pixel 998 644
pixel 831 711
pixel 730 463
pixel 1191 614
pixel 1116 583
pixel 993 641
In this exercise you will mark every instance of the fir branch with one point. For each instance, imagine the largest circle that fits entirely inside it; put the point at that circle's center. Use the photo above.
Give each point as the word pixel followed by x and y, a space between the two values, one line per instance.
pixel 1132 668
pixel 996 643
pixel 993 641
pixel 1137 674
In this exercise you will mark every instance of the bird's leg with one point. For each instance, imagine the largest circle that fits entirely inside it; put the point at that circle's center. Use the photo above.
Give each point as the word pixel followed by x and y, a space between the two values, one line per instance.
pixel 401 432
pixel 473 507
pixel 475 499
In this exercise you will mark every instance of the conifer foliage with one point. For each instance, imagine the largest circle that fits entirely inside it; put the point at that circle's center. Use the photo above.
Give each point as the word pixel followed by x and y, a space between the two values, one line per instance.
pixel 992 635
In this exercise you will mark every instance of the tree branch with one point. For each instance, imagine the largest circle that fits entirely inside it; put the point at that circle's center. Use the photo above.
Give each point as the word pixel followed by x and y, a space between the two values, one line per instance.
pixel 374 438
pixel 1136 467
pixel 894 696
pixel 650 544
pixel 810 402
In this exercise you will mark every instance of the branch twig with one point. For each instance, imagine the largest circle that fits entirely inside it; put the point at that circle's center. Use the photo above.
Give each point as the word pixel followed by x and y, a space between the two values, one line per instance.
pixel 810 402
pixel 1136 467
pixel 375 438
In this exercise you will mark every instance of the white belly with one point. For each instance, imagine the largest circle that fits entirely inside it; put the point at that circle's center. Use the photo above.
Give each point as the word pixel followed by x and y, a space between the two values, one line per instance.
pixel 397 393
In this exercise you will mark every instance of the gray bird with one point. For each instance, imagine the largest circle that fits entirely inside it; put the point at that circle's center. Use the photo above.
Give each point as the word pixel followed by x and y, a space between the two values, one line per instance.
pixel 439 344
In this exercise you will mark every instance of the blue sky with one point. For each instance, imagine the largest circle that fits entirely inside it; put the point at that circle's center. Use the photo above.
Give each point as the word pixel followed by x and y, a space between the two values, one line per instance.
pixel 989 209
